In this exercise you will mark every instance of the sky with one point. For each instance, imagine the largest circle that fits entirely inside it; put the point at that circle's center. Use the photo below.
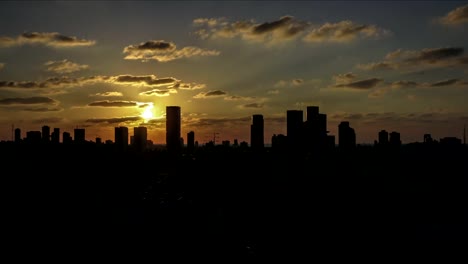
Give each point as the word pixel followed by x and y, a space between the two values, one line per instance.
pixel 381 65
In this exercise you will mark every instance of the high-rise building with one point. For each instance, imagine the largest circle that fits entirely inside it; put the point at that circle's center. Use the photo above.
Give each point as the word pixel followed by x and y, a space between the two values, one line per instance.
pixel 294 128
pixel 45 133
pixel 121 137
pixel 190 141
pixel 66 138
pixel 383 137
pixel 140 138
pixel 33 137
pixel 173 128
pixel 257 132
pixel 79 135
pixel 346 136
pixel 395 139
pixel 55 137
pixel 17 135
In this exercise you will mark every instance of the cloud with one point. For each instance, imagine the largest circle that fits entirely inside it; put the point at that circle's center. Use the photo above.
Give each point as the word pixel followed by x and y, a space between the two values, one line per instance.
pixel 448 83
pixel 273 91
pixel 42 109
pixel 55 82
pixel 456 16
pixel 238 98
pixel 283 29
pixel 343 31
pixel 50 39
pixel 2 65
pixel 253 105
pixel 163 51
pixel 210 94
pixel 159 92
pixel 108 94
pixel 361 85
pixel 48 120
pixel 344 78
pixel 404 84
pixel 419 59
pixel 108 103
pixel 284 83
pixel 27 100
pixel 144 80
pixel 64 66
pixel 114 120
pixel 190 86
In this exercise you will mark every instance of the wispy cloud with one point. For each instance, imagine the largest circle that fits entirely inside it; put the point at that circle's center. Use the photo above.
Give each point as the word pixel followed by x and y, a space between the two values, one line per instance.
pixel 108 103
pixel 419 59
pixel 159 92
pixel 163 51
pixel 114 120
pixel 285 83
pixel 361 85
pixel 285 28
pixel 48 120
pixel 238 98
pixel 210 94
pixel 51 39
pixel 252 105
pixel 108 94
pixel 27 101
pixel 456 16
pixel 64 66
pixel 43 109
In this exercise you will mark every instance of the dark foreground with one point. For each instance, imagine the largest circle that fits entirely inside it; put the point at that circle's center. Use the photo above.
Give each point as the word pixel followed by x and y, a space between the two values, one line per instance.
pixel 231 204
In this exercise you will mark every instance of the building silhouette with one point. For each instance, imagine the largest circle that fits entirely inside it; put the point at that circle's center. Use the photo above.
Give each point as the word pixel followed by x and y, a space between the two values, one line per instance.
pixel 17 135
pixel 121 137
pixel 140 138
pixel 55 136
pixel 346 136
pixel 173 128
pixel 79 135
pixel 257 132
pixel 315 130
pixel 294 128
pixel 428 139
pixel 190 141
pixel 66 138
pixel 45 134
pixel 383 137
pixel 33 137
pixel 395 139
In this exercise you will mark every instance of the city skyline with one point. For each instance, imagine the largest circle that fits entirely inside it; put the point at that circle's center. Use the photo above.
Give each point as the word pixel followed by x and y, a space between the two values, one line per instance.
pixel 124 62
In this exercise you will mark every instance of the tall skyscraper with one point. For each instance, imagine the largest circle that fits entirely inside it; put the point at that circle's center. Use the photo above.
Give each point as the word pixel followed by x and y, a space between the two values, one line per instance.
pixel 17 135
pixel 190 141
pixel 346 136
pixel 79 135
pixel 55 137
pixel 121 137
pixel 395 139
pixel 257 132
pixel 294 128
pixel 383 137
pixel 140 137
pixel 173 128
pixel 45 133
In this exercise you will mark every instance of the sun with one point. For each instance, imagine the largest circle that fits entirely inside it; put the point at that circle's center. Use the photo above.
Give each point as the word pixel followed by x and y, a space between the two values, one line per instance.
pixel 148 113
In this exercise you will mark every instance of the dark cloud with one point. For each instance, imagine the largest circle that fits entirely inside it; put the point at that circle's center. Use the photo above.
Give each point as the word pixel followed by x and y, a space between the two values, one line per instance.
pixel 210 94
pixel 189 86
pixel 361 85
pixel 419 59
pixel 404 84
pixel 285 28
pixel 253 105
pixel 27 100
pixel 446 82
pixel 48 120
pixel 163 51
pixel 238 98
pixel 456 16
pixel 51 39
pixel 343 31
pixel 64 66
pixel 55 82
pixel 344 78
pixel 42 109
pixel 114 120
pixel 147 80
pixel 113 103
